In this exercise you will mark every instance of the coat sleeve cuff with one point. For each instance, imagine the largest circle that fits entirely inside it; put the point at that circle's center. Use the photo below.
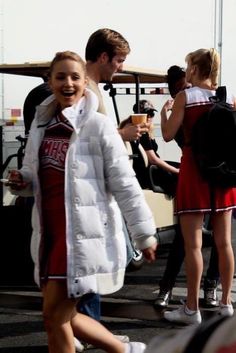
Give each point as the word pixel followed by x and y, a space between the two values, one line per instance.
pixel 144 242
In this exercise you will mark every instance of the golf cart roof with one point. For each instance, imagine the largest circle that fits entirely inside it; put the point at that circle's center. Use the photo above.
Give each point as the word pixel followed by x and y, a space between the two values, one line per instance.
pixel 129 74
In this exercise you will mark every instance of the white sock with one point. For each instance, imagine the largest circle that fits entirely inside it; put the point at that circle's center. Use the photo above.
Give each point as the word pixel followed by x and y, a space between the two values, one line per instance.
pixel 224 305
pixel 189 312
pixel 132 347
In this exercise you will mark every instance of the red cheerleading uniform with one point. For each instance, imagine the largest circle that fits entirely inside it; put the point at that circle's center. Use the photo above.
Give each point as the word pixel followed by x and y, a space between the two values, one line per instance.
pixel 52 156
pixel 194 194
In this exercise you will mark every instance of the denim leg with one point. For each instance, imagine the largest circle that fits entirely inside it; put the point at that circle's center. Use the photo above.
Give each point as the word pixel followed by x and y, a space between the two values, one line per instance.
pixel 129 247
pixel 89 304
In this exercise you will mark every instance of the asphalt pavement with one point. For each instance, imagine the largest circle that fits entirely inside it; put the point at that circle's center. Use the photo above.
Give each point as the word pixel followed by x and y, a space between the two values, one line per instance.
pixel 127 312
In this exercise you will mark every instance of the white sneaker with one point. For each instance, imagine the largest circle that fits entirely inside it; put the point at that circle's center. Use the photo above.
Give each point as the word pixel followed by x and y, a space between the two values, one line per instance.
pixel 135 347
pixel 226 310
pixel 181 316
pixel 124 339
pixel 79 347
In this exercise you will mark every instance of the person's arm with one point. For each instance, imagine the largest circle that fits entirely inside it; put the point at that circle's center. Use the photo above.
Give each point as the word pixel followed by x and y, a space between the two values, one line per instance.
pixel 154 159
pixel 170 126
pixel 124 186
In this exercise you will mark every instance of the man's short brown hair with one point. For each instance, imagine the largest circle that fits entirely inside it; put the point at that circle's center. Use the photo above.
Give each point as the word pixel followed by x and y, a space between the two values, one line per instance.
pixel 106 40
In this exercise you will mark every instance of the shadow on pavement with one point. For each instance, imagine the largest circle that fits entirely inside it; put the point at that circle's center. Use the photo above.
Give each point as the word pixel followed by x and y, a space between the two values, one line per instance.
pixel 33 349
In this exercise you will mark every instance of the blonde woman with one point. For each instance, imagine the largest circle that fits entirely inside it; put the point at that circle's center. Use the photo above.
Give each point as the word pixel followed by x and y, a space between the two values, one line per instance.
pixel 76 167
pixel 195 197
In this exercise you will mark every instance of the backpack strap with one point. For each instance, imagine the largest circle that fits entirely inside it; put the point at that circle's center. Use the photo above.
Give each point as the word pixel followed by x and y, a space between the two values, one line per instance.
pixel 221 93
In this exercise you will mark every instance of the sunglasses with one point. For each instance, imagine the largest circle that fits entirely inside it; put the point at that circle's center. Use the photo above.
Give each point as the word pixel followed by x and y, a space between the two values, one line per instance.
pixel 150 112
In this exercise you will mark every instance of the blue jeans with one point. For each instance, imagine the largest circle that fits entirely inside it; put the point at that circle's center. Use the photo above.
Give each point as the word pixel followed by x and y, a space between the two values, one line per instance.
pixel 129 248
pixel 89 304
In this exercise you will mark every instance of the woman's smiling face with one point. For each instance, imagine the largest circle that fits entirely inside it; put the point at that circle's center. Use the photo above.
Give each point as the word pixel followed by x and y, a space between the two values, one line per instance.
pixel 68 81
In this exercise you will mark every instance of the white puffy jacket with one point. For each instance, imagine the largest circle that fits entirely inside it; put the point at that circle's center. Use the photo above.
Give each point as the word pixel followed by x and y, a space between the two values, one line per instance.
pixel 99 182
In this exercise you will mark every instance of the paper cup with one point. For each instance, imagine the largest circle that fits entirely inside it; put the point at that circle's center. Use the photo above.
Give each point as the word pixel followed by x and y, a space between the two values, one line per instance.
pixel 138 118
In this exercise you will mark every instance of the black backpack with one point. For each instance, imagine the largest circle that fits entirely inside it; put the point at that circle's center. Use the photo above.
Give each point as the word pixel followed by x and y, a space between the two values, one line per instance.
pixel 214 142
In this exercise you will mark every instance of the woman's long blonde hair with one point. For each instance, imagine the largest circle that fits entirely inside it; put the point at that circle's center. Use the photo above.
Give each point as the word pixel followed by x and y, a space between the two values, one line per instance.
pixel 207 62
